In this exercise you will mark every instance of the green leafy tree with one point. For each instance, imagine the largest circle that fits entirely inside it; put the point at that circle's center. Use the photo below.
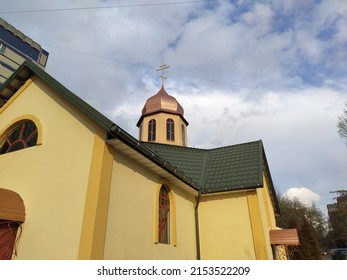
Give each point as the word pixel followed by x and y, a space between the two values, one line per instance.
pixel 310 223
pixel 342 124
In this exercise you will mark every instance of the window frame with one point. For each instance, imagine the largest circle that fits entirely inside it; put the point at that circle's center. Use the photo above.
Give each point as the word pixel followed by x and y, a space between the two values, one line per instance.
pixel 20 127
pixel 152 127
pixel 164 216
pixel 172 219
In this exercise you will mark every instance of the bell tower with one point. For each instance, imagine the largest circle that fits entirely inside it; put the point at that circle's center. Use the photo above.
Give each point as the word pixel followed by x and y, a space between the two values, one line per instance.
pixel 162 119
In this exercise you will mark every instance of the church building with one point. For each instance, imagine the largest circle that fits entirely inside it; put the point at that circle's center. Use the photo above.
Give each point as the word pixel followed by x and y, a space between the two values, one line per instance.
pixel 75 185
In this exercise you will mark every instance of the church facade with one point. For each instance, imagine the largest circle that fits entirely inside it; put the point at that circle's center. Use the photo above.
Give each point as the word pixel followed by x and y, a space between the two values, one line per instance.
pixel 74 185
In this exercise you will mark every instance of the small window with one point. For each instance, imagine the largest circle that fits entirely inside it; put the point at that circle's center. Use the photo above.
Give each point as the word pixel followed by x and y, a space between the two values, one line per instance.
pixel 151 130
pixel 170 130
pixel 164 216
pixel 22 135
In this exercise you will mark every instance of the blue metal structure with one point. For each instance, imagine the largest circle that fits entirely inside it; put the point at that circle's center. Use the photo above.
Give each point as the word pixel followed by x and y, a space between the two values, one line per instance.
pixel 15 48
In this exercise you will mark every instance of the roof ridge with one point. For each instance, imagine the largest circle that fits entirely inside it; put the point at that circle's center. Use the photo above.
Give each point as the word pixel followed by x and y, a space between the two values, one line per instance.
pixel 205 164
pixel 233 145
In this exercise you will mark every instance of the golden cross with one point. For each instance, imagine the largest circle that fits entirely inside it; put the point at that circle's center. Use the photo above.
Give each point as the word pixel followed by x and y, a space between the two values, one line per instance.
pixel 162 68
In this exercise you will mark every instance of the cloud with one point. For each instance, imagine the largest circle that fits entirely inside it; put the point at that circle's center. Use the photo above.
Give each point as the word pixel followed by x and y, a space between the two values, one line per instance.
pixel 305 195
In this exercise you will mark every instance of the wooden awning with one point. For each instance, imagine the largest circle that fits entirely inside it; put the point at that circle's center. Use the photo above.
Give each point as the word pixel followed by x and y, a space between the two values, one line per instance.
pixel 284 237
pixel 11 206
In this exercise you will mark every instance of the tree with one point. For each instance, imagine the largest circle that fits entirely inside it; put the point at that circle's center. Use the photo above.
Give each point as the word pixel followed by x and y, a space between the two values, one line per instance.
pixel 342 124
pixel 338 220
pixel 310 224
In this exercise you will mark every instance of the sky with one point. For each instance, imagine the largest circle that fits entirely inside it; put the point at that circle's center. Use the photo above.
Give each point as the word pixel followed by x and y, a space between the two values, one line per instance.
pixel 242 70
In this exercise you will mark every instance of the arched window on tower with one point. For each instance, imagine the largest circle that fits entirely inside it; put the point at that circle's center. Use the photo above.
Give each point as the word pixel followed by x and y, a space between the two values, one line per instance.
pixel 21 135
pixel 170 130
pixel 151 130
pixel 164 216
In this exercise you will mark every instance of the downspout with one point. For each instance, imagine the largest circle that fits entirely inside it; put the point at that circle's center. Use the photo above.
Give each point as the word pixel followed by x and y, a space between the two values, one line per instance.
pixel 197 230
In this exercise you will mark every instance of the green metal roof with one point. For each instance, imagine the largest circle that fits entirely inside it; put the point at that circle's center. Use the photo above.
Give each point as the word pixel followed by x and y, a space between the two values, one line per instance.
pixel 227 168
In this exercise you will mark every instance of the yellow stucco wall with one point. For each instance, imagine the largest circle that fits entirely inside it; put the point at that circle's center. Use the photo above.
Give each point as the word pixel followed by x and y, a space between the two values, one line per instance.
pixel 160 119
pixel 268 207
pixel 96 206
pixel 225 229
pixel 131 221
pixel 52 178
pixel 267 217
pixel 262 218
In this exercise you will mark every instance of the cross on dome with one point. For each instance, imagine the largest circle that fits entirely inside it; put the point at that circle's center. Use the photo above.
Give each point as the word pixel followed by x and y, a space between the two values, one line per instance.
pixel 162 69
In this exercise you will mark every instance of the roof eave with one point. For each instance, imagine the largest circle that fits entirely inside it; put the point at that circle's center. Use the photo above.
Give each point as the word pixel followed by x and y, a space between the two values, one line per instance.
pixel 271 185
pixel 230 189
pixel 158 112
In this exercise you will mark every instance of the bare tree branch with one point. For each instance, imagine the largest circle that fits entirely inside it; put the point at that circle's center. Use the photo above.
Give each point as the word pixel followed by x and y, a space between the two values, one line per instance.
pixel 342 124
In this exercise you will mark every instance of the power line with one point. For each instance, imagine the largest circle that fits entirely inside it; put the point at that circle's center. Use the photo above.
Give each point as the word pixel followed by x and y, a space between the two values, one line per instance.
pixel 107 7
pixel 92 55
pixel 196 77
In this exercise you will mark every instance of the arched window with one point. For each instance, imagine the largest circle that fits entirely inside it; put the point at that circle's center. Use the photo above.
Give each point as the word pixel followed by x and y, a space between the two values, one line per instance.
pixel 21 135
pixel 164 216
pixel 170 129
pixel 151 130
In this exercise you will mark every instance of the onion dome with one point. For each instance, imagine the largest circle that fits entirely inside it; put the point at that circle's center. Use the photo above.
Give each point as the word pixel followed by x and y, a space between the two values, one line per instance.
pixel 162 102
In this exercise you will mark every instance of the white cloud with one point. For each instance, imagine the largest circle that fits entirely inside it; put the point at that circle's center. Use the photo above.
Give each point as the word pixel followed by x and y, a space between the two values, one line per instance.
pixel 259 18
pixel 303 194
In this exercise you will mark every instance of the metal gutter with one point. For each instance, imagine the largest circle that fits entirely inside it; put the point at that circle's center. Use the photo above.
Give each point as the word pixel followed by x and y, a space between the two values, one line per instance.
pixel 116 132
pixel 230 189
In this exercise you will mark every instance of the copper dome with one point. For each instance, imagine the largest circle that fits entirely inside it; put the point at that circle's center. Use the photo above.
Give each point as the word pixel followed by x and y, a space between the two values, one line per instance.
pixel 162 102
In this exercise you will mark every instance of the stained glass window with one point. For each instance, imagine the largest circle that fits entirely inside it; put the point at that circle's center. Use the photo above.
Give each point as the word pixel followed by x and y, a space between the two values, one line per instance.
pixel 164 215
pixel 22 135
